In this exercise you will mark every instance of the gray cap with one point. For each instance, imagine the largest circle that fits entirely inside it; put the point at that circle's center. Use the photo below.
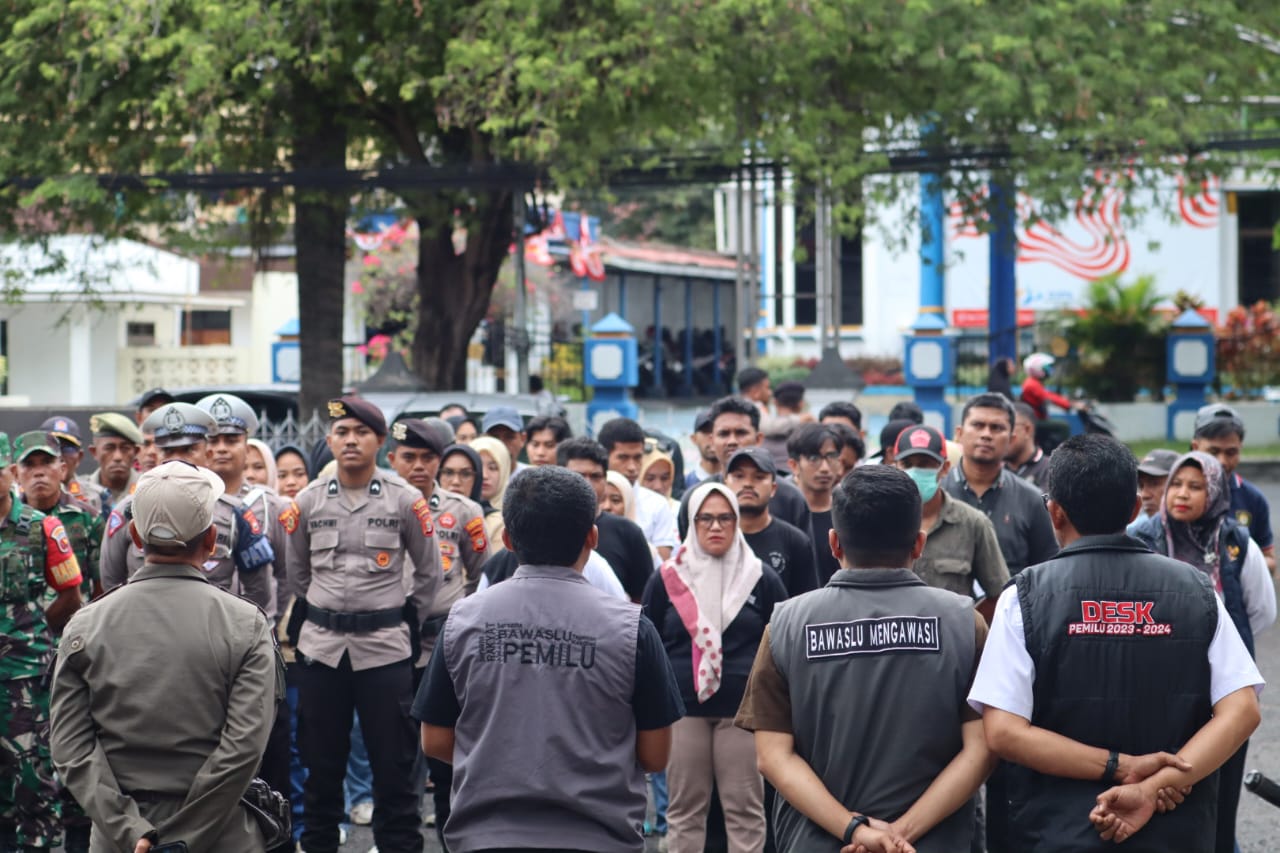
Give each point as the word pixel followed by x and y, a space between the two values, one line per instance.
pixel 502 416
pixel 179 424
pixel 1158 463
pixel 173 503
pixel 1206 415
pixel 233 415
pixel 756 455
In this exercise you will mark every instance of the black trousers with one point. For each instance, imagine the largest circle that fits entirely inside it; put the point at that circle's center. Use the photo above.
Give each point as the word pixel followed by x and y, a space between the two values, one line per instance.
pixel 275 761
pixel 383 696
pixel 1230 780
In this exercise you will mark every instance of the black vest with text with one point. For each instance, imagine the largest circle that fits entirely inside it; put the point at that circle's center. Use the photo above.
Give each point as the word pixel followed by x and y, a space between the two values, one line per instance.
pixel 1120 640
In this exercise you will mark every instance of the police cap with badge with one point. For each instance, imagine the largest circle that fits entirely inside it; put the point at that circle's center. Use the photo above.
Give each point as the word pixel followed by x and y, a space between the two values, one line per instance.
pixel 64 429
pixel 363 411
pixel 233 415
pixel 418 434
pixel 115 425
pixel 179 425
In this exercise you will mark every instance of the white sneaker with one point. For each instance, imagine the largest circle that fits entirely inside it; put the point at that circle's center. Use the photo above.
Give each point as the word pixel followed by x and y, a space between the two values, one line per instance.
pixel 342 835
pixel 373 849
pixel 362 814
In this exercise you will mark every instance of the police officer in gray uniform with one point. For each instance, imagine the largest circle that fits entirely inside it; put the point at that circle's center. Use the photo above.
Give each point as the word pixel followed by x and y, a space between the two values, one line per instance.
pixel 352 538
pixel 241 561
pixel 163 691
pixel 549 697
pixel 899 657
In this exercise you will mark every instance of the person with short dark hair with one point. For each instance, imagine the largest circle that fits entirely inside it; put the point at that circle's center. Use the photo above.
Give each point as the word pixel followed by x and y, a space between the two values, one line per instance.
pixel 907 410
pixel 453 410
pixel 814 456
pixel 1219 431
pixel 982 481
pixel 753 384
pixel 788 399
pixel 735 423
pixel 897 657
pixel 464 428
pixel 1027 459
pixel 889 437
pixel 621 541
pixel 543 433
pixel 852 448
pixel 1079 646
pixel 841 411
pixel 1153 474
pixel 625 442
pixel 549 698
pixel 711 603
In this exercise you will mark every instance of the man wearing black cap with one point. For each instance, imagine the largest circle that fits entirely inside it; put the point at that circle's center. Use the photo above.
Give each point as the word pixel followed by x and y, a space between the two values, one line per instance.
pixel 1220 433
pixel 708 463
pixel 752 477
pixel 1153 473
pixel 357 540
pixel 961 547
pixel 67 432
pixel 151 400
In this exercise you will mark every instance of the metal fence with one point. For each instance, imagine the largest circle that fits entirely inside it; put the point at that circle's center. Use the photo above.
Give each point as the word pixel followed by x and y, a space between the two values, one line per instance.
pixel 291 429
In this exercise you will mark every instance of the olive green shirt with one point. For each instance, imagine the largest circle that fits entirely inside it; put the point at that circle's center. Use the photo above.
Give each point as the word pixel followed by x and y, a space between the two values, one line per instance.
pixel 962 548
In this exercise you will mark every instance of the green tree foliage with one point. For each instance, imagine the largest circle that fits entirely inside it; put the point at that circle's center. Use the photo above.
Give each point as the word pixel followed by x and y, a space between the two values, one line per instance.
pixel 1062 92
pixel 1118 339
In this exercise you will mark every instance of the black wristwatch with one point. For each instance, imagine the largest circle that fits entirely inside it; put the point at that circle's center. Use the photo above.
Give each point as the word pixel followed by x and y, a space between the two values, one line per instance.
pixel 857 821
pixel 1113 764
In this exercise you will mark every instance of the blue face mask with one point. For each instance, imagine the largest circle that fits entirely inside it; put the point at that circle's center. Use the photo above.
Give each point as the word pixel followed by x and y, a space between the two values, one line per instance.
pixel 926 480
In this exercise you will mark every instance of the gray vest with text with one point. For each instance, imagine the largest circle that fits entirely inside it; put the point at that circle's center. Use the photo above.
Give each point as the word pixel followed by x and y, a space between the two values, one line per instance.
pixel 878 665
pixel 545 748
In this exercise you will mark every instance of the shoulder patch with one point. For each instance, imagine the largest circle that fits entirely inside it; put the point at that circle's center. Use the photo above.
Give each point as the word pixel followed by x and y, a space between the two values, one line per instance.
pixel 423 511
pixel 289 518
pixel 475 529
pixel 255 526
pixel 114 522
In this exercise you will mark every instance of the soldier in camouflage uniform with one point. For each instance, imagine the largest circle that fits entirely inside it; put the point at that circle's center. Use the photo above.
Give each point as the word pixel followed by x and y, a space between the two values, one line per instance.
pixel 35 555
pixel 67 432
pixel 40 476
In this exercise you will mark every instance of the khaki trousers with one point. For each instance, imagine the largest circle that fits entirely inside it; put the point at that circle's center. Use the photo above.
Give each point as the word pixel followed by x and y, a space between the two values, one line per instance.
pixel 706 750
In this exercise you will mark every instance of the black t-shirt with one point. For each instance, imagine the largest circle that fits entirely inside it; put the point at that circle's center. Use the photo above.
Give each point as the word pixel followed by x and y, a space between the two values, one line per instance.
pixel 739 643
pixel 786 550
pixel 500 567
pixel 655 698
pixel 819 527
pixel 623 546
pixel 787 504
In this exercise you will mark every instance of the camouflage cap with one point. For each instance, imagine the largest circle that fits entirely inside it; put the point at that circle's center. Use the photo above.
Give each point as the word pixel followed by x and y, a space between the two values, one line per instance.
pixel 35 441
pixel 6 451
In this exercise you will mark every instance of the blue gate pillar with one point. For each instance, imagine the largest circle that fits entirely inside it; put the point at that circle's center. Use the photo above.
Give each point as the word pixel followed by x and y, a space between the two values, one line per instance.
pixel 610 365
pixel 1191 352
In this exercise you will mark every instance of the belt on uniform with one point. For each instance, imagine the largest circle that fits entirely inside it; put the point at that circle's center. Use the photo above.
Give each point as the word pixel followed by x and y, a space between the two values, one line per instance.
pixel 431 628
pixel 152 797
pixel 355 623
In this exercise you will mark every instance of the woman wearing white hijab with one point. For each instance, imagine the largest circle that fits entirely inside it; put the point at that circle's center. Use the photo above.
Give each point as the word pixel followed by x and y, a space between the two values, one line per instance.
pixel 711 602
pixel 495 471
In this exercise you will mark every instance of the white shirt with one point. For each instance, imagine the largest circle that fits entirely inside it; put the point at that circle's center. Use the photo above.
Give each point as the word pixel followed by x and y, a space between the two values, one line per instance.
pixel 1259 590
pixel 1006 674
pixel 656 518
pixel 596 572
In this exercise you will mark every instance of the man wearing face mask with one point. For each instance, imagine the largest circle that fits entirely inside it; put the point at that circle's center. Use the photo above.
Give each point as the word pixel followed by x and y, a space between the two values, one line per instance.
pixel 961 546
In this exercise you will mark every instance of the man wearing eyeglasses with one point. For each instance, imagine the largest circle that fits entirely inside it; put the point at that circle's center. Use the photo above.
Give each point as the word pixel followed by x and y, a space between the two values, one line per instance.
pixel 813 454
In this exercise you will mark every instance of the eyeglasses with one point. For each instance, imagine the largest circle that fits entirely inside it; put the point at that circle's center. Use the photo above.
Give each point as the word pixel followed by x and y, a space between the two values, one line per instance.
pixel 819 458
pixel 710 521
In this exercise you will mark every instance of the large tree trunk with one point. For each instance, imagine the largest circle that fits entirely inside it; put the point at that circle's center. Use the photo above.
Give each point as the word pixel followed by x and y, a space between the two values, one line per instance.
pixel 454 289
pixel 319 236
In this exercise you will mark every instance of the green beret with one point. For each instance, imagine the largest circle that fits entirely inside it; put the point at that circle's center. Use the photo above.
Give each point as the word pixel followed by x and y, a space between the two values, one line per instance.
pixel 110 424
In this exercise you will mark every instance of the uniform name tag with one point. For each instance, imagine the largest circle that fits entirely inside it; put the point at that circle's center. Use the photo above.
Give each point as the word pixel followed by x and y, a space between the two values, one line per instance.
pixel 871 637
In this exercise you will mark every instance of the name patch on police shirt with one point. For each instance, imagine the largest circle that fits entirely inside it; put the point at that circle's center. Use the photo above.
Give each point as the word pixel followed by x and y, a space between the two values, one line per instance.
pixel 871 637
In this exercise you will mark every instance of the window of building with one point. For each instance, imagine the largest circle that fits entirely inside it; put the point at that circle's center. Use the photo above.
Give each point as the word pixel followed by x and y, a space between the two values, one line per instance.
pixel 206 328
pixel 140 334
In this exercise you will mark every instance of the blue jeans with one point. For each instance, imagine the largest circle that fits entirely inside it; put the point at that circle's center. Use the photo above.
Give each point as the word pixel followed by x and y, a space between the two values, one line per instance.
pixel 659 781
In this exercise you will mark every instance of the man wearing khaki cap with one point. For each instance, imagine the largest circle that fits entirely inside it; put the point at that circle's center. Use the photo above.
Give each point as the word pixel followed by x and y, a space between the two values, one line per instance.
pixel 158 728
pixel 116 440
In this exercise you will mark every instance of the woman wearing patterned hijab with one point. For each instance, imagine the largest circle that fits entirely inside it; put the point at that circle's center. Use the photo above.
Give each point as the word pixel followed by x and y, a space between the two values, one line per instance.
pixel 710 603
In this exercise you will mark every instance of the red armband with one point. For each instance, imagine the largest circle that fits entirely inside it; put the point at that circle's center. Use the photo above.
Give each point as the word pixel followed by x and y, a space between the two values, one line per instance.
pixel 61 568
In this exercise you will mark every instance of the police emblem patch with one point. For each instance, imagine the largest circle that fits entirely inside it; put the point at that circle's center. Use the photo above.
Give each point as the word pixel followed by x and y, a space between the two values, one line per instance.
pixel 383 559
pixel 95 425
pixel 447 521
pixel 288 518
pixel 399 431
pixel 221 410
pixel 173 420
pixel 336 409
pixel 475 527
pixel 1244 516
pixel 423 512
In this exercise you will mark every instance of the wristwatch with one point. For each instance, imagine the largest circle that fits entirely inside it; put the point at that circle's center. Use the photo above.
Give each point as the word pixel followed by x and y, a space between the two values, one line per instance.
pixel 857 821
pixel 1113 764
